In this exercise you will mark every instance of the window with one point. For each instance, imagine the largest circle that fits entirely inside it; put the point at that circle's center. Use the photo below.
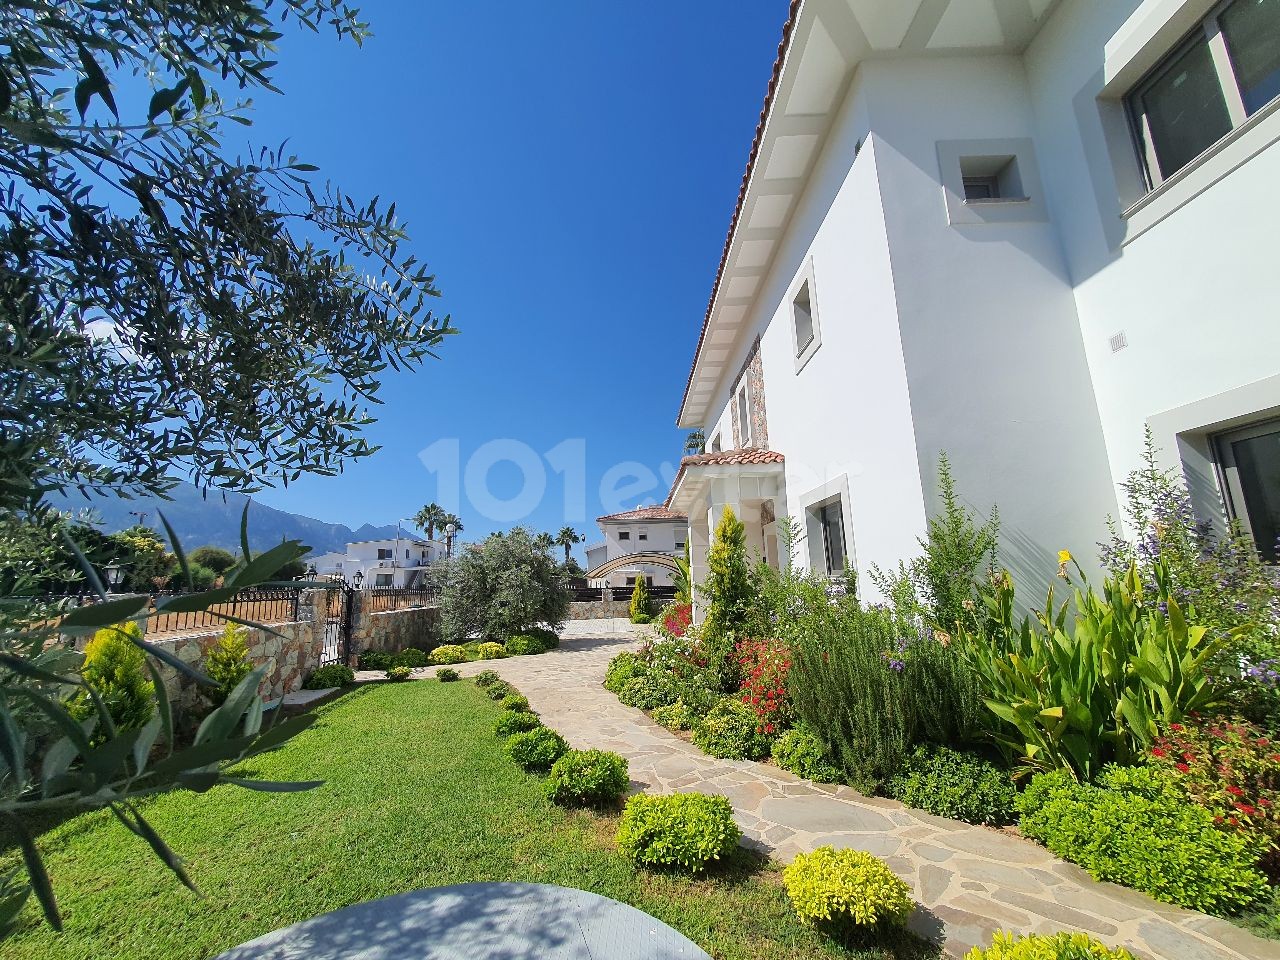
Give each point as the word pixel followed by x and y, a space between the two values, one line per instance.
pixel 631 581
pixel 744 416
pixel 1249 460
pixel 831 522
pixel 384 553
pixel 624 534
pixel 643 536
pixel 382 580
pixel 981 188
pixel 802 316
pixel 714 445
pixel 679 544
pixel 1226 71
pixel 989 178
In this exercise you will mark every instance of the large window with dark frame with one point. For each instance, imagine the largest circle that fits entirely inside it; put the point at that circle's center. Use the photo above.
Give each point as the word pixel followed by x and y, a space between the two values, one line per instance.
pixel 1226 71
pixel 1249 463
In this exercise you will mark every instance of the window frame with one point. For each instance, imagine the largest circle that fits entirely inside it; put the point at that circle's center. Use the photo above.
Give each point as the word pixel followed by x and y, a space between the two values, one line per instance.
pixel 804 283
pixel 1208 31
pixel 1224 463
pixel 742 401
pixel 624 535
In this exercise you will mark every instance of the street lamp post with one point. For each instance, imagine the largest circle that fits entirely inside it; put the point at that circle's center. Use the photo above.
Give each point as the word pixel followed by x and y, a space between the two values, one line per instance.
pixel 358 579
pixel 115 576
pixel 449 531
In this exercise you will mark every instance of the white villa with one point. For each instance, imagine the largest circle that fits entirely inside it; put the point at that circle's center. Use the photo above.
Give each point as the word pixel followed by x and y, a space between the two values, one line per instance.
pixel 637 543
pixel 1018 231
pixel 395 562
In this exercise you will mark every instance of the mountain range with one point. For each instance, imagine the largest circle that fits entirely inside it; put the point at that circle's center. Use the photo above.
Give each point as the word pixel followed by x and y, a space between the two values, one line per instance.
pixel 214 519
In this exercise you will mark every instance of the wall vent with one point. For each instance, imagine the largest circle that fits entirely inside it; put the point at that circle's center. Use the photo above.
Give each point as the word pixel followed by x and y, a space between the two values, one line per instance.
pixel 1118 342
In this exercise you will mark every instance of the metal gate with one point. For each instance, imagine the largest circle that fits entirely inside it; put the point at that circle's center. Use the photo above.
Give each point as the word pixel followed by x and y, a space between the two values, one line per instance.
pixel 337 625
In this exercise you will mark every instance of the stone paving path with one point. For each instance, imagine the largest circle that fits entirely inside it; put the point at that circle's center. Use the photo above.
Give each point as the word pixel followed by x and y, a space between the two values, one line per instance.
pixel 970 881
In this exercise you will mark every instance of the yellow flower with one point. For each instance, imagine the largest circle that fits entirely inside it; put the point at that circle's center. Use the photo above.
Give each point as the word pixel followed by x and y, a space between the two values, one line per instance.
pixel 1064 557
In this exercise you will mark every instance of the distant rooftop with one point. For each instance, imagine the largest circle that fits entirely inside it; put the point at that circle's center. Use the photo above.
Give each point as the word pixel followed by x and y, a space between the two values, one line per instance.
pixel 644 513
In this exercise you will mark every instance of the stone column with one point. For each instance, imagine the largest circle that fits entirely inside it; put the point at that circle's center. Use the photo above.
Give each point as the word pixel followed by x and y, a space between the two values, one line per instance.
pixel 699 544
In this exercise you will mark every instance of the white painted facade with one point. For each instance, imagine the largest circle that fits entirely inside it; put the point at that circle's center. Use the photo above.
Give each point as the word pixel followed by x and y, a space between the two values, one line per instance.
pixel 393 562
pixel 984 329
pixel 634 534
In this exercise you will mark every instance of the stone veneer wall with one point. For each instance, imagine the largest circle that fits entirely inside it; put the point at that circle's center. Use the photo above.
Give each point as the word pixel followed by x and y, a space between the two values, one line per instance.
pixel 599 609
pixel 394 630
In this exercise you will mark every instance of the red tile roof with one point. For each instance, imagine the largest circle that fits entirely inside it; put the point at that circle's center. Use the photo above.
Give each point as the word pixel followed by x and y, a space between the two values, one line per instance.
pixel 783 46
pixel 645 513
pixel 741 458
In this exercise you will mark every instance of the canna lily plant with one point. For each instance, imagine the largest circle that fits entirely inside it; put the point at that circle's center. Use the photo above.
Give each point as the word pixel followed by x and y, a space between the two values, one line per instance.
pixel 1077 693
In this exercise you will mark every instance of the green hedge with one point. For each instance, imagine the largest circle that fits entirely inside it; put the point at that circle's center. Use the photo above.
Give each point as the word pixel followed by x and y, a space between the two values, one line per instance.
pixel 961 786
pixel 687 831
pixel 729 732
pixel 584 777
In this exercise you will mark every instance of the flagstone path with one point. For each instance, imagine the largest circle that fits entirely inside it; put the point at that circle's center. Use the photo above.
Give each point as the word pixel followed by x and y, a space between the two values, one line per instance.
pixel 970 881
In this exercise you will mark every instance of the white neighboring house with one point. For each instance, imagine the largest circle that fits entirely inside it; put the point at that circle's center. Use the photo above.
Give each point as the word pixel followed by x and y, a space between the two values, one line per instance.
pixel 1020 231
pixel 637 543
pixel 394 562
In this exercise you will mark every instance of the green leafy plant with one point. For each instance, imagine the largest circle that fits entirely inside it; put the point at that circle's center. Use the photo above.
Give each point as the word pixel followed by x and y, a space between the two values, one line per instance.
pixel 957 785
pixel 523 645
pixel 843 889
pixel 1037 946
pixel 399 673
pixel 515 701
pixel 330 675
pixel 516 722
pixel 544 635
pixel 674 716
pixel 496 691
pixel 1137 828
pixel 647 692
pixel 685 831
pixel 228 662
pixel 115 670
pixel 728 594
pixel 448 675
pixel 641 607
pixel 800 751
pixel 1083 694
pixel 622 669
pixel 491 651
pixel 486 677
pixel 536 749
pixel 410 657
pixel 583 777
pixel 509 584
pixel 730 731
pixel 448 653
pixel 374 660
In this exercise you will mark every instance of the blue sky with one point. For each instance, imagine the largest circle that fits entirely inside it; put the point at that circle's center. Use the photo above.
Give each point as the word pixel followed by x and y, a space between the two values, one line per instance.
pixel 568 170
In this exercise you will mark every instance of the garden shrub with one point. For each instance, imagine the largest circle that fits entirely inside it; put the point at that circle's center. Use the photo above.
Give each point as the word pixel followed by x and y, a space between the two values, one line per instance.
pixel 227 663
pixel 536 749
pixel 512 723
pixel 961 786
pixel 374 660
pixel 728 592
pixel 686 831
pixel 1058 946
pixel 516 702
pixel 676 618
pixel 523 645
pixel 490 651
pixel 496 691
pixel 1232 769
pixel 448 675
pixel 846 889
pixel 331 675
pixel 647 692
pixel 800 751
pixel 1137 828
pixel 729 732
pixel 582 777
pixel 486 677
pixel 764 665
pixel 622 669
pixel 449 653
pixel 409 657
pixel 639 610
pixel 116 668
pixel 674 716
pixel 547 637
pixel 507 585
pixel 399 673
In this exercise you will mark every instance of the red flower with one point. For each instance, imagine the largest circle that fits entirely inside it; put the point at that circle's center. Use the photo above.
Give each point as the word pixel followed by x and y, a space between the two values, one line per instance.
pixel 1181 767
pixel 1175 726
pixel 1157 752
pixel 1248 809
pixel 1235 791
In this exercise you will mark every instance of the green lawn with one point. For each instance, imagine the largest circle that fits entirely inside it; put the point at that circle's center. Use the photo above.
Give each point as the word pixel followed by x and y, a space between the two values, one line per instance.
pixel 419 793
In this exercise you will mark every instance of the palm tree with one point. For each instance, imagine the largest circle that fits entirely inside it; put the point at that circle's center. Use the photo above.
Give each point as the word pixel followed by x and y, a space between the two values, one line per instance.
pixel 695 443
pixel 430 517
pixel 449 518
pixel 567 538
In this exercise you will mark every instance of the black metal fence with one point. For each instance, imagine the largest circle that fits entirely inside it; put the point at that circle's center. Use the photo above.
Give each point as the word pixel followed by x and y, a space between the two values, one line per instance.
pixel 384 599
pixel 258 605
pixel 659 596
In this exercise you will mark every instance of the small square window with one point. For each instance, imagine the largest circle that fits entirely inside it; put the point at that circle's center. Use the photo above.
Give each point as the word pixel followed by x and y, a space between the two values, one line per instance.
pixel 624 534
pixel 991 178
pixel 981 188
pixel 679 544
pixel 644 536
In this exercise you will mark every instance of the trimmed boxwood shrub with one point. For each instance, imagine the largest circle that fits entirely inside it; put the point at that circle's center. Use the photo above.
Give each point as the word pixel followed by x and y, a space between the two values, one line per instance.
pixel 622 669
pixel 490 651
pixel 800 751
pixel 449 653
pixel 584 777
pixel 486 677
pixel 496 691
pixel 1137 829
pixel 447 675
pixel 399 673
pixel 685 831
pixel 522 645
pixel 409 657
pixel 374 660
pixel 961 786
pixel 331 675
pixel 729 732
pixel 510 724
pixel 647 693
pixel 1036 946
pixel 536 749
pixel 515 701
pixel 846 890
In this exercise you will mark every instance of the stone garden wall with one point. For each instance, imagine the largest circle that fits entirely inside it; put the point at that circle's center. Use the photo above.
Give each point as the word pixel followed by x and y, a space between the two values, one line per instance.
pixel 599 609
pixel 394 630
